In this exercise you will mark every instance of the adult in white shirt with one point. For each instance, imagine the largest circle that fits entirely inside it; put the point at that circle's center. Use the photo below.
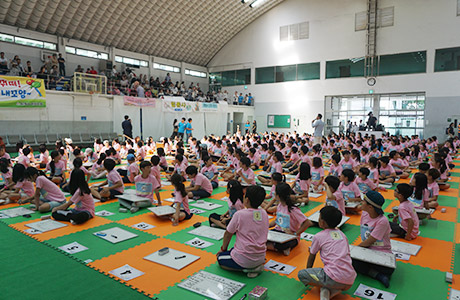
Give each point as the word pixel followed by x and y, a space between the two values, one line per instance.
pixel 318 125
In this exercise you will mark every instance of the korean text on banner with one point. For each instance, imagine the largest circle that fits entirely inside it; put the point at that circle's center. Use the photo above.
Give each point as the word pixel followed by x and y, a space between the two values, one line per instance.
pixel 135 101
pixel 22 92
pixel 178 104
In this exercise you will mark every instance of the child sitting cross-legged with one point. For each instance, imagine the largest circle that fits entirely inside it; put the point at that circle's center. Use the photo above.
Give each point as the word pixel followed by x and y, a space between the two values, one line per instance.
pixel 338 274
pixel 407 217
pixel 251 228
pixel 235 203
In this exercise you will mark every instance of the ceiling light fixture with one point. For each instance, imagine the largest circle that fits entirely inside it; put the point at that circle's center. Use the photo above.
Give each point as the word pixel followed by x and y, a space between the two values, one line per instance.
pixel 256 3
pixel 245 1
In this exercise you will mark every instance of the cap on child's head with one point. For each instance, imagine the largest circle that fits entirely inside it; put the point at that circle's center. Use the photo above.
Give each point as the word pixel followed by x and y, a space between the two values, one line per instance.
pixel 130 157
pixel 331 215
pixel 376 200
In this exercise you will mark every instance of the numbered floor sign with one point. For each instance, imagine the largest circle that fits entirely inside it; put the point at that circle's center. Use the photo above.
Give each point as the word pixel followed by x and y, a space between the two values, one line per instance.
pixel 454 295
pixel 73 248
pixel 367 292
pixel 199 243
pixel 279 267
pixel 143 226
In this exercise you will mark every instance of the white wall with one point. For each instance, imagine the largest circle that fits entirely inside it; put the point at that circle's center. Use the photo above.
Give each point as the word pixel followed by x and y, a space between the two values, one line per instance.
pixel 419 25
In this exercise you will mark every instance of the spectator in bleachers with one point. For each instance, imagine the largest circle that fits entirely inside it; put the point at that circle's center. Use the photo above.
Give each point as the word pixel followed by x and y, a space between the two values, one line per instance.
pixel 240 99
pixel 182 88
pixel 92 71
pixel 54 71
pixel 114 71
pixel 14 69
pixel 43 73
pixel 167 79
pixel 250 99
pixel 54 62
pixel 28 71
pixel 79 69
pixel 61 62
pixel 235 98
pixel 3 61
pixel 139 89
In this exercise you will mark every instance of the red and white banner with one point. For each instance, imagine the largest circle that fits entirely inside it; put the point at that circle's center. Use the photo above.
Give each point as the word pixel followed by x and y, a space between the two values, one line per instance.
pixel 136 101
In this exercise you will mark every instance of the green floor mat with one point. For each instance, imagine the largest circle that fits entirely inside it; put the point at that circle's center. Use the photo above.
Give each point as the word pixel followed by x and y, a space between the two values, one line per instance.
pixel 437 229
pixel 457 259
pixel 447 201
pixel 455 174
pixel 311 204
pixel 221 210
pixel 291 289
pixel 183 236
pixel 114 208
pixel 98 247
pixel 351 231
pixel 454 185
pixel 408 281
pixel 32 270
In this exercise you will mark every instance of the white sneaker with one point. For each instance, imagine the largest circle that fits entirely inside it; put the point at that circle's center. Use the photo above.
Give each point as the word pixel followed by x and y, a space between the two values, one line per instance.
pixel 252 273
pixel 286 252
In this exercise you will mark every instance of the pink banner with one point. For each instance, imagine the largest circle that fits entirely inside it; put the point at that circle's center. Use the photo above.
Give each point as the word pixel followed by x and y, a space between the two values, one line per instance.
pixel 135 101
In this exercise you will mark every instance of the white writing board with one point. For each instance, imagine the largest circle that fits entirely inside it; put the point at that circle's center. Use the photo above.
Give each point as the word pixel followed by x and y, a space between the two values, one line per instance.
pixel 290 177
pixel 199 243
pixel 32 231
pixel 115 235
pixel 165 183
pixel 104 213
pixel 350 204
pixel 206 205
pixel 279 237
pixel 385 185
pixel 212 286
pixel 403 247
pixel 208 232
pixel 314 195
pixel 401 256
pixel 275 266
pixel 17 211
pixel 196 211
pixel 307 236
pixel 162 210
pixel 126 273
pixel 169 199
pixel 373 293
pixel 373 256
pixel 174 259
pixel 315 218
pixel 223 183
pixel 46 225
pixel 133 198
pixel 263 173
pixel 454 294
pixel 143 226
pixel 73 248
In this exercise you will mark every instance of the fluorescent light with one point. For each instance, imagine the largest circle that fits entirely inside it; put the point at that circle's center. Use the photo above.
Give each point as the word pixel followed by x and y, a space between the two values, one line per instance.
pixel 245 1
pixel 256 3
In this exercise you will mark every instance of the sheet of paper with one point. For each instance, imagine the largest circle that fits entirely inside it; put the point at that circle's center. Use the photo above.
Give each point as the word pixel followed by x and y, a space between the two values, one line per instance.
pixel 174 259
pixel 104 213
pixel 197 211
pixel 115 235
pixel 206 205
pixel 46 225
pixel 373 293
pixel 208 232
pixel 307 236
pixel 73 248
pixel 454 294
pixel 404 247
pixel 17 211
pixel 279 237
pixel 165 183
pixel 133 198
pixel 211 286
pixel 373 256
pixel 143 226
pixel 223 183
pixel 401 256
pixel 169 199
pixel 314 195
pixel 199 243
pixel 126 273
pixel 32 231
pixel 162 210
pixel 272 265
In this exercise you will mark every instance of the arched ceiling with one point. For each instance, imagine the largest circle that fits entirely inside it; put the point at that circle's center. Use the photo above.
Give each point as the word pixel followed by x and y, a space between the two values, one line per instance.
pixel 191 31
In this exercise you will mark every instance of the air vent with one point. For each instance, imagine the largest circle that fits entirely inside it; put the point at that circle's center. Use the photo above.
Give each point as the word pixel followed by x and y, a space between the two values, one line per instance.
pixel 299 31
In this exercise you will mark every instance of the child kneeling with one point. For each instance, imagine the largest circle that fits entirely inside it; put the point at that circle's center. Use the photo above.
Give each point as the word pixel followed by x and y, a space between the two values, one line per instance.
pixel 338 274
pixel 251 228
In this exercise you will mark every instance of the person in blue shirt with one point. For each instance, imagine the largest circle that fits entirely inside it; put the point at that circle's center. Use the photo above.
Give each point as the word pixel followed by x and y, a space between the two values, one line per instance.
pixel 188 129
pixel 250 99
pixel 240 99
pixel 247 126
pixel 180 131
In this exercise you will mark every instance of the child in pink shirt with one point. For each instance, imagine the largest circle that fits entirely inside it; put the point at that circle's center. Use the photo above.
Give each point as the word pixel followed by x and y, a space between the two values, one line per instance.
pixel 251 228
pixel 347 162
pixel 317 174
pixel 235 203
pixel 47 194
pixel 245 174
pixel 301 185
pixel 115 183
pixel 146 185
pixel 338 274
pixel 131 171
pixel 335 169
pixel 364 183
pixel 289 219
pixel 375 235
pixel 81 197
pixel 433 188
pixel 155 171
pixel 57 167
pixel 333 196
pixel 349 189
pixel 407 217
pixel 180 201
pixel 200 186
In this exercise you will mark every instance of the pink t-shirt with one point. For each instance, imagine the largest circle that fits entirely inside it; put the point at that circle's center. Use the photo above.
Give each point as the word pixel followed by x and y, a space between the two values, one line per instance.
pixel 24 160
pixel 387 170
pixel 145 187
pixel 141 152
pixel 44 158
pixel 302 186
pixel 294 157
pixel 379 228
pixel 112 178
pixel 155 172
pixel 306 159
pixel 349 191
pixel 350 164
pixel 338 203
pixel 163 161
pixel 203 182
pixel 365 185
pixel 209 172
pixel 182 201
pixel 374 174
pixel 26 186
pixel 335 170
pixel 233 208
pixel 249 174
pixel 132 171
pixel 406 211
pixel 83 202
pixel 276 167
pixel 335 255
pixel 286 219
pixel 316 174
pixel 49 190
pixel 433 188
pixel 7 176
pixel 59 167
pixel 419 202
pixel 251 229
